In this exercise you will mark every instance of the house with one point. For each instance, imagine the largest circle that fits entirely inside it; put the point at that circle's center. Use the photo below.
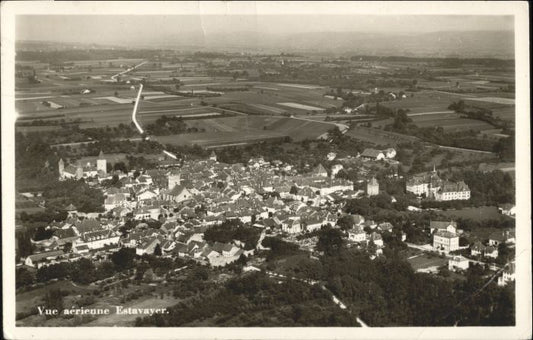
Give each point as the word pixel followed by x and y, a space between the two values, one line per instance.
pixel 377 239
pixel 178 193
pixel 99 239
pixel 498 237
pixel 450 226
pixel 491 252
pixel 389 153
pixel 148 246
pixel 477 249
pixel 385 226
pixel 458 262
pixel 507 275
pixel 320 171
pixel 81 249
pixel 450 191
pixel 42 259
pixel 357 234
pixel 507 209
pixel 291 226
pixel 373 154
pixel 445 241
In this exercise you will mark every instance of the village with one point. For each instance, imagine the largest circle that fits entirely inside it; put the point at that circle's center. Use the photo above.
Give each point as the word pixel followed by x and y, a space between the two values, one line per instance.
pixel 165 212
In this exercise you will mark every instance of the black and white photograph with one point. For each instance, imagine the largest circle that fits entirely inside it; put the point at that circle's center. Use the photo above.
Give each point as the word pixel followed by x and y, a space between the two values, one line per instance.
pixel 266 170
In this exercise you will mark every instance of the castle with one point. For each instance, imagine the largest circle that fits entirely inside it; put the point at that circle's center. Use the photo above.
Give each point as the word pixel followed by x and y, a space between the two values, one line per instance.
pixel 79 170
pixel 432 186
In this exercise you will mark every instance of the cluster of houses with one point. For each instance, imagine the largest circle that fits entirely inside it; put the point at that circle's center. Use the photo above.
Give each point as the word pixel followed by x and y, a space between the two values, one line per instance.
pixel 188 199
pixel 432 186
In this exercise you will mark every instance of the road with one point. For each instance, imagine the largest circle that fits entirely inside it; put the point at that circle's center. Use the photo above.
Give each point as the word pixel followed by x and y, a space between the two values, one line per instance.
pixel 429 113
pixel 128 70
pixel 463 149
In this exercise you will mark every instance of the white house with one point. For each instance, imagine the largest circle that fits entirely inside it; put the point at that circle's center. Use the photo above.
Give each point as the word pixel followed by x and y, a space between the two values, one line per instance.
pixel 458 262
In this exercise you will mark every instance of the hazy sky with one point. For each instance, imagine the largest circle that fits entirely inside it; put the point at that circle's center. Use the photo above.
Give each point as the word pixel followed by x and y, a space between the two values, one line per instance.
pixel 114 29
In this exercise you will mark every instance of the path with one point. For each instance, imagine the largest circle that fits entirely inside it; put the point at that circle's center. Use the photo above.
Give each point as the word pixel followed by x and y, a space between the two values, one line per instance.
pixel 134 113
pixel 429 113
pixel 128 70
pixel 463 149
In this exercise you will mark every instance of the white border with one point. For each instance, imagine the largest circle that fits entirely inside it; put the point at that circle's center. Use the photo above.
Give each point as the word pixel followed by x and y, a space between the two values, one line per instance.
pixel 523 234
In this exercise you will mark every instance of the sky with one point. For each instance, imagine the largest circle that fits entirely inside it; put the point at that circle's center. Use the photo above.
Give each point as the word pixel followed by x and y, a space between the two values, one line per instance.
pixel 116 29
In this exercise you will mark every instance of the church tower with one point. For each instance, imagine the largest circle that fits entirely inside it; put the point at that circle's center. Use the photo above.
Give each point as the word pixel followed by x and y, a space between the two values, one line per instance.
pixel 372 187
pixel 174 178
pixel 61 167
pixel 101 164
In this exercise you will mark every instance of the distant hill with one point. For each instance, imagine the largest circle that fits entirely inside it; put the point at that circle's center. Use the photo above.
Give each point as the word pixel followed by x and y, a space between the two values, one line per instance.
pixel 468 44
pixel 491 44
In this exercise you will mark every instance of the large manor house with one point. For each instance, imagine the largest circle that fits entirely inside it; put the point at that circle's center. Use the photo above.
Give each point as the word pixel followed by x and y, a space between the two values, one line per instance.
pixel 432 186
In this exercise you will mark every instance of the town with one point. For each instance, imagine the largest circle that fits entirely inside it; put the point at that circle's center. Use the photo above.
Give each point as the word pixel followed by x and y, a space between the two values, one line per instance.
pixel 263 189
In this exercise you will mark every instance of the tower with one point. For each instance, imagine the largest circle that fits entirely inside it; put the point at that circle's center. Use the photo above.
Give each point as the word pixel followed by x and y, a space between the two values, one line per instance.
pixel 372 187
pixel 79 171
pixel 101 163
pixel 61 167
pixel 174 178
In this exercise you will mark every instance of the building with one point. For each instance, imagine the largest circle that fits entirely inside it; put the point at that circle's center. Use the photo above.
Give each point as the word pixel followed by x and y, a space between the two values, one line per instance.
pixel 507 209
pixel 508 275
pixel 432 186
pixel 450 226
pixel 445 241
pixel 373 154
pixel 320 171
pixel 372 187
pixel 458 262
pixel 101 164
pixel 451 191
pixel 357 234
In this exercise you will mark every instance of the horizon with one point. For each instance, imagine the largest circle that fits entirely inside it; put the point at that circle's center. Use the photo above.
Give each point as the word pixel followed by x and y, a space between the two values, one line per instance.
pixel 141 30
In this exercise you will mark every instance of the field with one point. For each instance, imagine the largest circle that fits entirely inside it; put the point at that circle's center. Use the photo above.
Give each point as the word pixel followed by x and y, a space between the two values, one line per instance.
pixel 425 261
pixel 377 136
pixel 450 122
pixel 478 214
pixel 242 130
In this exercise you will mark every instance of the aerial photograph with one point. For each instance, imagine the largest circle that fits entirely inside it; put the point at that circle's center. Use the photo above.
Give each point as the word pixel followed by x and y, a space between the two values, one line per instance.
pixel 264 170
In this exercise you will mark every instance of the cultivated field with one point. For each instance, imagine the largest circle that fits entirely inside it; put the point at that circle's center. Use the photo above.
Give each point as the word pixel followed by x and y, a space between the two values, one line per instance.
pixel 377 136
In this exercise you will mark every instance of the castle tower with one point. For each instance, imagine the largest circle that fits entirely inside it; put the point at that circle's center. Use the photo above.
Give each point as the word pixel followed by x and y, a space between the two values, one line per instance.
pixel 101 163
pixel 174 178
pixel 79 171
pixel 372 187
pixel 61 167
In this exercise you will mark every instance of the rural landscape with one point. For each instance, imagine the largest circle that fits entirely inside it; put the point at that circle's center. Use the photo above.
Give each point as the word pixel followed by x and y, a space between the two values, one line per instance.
pixel 235 187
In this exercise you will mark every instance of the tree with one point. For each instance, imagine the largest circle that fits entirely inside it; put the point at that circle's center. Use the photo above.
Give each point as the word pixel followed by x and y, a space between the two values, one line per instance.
pixel 23 277
pixel 123 259
pixel 157 250
pixel 330 240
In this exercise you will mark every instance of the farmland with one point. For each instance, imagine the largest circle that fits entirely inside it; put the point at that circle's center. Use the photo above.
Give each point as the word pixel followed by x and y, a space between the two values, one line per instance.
pixel 236 108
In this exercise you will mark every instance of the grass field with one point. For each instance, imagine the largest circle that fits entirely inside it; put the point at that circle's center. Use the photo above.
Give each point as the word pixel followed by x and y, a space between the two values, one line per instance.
pixel 478 214
pixel 377 136
pixel 239 130
pixel 424 260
